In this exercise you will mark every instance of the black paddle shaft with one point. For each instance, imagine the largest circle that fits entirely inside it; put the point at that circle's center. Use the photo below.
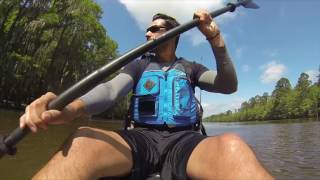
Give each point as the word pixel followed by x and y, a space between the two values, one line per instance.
pixel 97 76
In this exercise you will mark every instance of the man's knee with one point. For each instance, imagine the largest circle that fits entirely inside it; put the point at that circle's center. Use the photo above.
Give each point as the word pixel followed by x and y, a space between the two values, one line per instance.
pixel 229 144
pixel 83 131
pixel 217 156
pixel 85 137
pixel 82 135
pixel 232 144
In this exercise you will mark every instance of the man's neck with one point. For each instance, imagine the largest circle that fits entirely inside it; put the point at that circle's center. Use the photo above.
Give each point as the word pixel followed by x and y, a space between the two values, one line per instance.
pixel 166 57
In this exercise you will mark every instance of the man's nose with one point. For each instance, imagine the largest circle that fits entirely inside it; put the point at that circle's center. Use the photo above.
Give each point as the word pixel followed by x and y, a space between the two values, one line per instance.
pixel 148 34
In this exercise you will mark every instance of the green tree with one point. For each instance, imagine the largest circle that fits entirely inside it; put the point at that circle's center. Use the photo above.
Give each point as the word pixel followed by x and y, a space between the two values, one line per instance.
pixel 318 81
pixel 303 82
pixel 49 45
pixel 265 98
pixel 302 102
pixel 282 87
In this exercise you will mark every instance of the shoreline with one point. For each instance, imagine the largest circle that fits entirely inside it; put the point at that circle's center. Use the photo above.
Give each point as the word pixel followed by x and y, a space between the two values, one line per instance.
pixel 94 118
pixel 261 121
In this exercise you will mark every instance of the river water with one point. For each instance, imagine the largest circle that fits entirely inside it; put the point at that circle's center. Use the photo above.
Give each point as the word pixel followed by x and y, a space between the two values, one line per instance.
pixel 288 149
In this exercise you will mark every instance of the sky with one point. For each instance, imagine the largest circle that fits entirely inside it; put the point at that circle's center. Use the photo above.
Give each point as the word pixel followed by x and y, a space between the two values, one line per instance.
pixel 281 39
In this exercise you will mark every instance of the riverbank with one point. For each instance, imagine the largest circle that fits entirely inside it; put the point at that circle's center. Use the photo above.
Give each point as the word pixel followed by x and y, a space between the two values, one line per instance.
pixel 8 105
pixel 263 121
pixel 96 118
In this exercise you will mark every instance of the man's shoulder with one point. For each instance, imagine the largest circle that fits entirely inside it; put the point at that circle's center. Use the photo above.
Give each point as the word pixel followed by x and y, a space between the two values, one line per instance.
pixel 188 63
pixel 184 60
pixel 138 62
pixel 193 68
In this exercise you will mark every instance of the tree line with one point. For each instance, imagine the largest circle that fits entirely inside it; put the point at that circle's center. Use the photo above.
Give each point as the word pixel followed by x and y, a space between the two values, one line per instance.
pixel 285 102
pixel 48 45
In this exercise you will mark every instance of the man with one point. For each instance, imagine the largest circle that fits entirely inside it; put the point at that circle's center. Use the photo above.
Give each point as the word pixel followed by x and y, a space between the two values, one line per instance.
pixel 164 116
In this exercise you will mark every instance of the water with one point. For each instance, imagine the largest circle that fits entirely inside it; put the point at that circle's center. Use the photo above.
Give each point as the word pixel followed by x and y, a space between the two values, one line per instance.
pixel 288 149
pixel 36 149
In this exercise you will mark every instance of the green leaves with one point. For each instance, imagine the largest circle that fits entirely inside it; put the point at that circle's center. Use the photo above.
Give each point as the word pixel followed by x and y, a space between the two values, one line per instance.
pixel 50 19
pixel 49 45
pixel 285 103
pixel 9 21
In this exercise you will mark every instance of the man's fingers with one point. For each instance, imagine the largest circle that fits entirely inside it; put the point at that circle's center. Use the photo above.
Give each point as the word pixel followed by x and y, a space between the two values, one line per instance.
pixel 32 116
pixel 29 121
pixel 203 16
pixel 52 117
pixel 49 96
pixel 22 120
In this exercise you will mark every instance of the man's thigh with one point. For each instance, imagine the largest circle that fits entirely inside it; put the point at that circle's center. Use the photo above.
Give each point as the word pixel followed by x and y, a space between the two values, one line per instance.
pixel 225 156
pixel 88 154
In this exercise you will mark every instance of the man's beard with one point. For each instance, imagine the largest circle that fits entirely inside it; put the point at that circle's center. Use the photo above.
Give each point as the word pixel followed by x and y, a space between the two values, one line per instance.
pixel 160 47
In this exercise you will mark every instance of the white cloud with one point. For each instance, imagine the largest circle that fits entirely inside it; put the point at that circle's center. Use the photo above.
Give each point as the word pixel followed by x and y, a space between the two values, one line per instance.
pixel 272 72
pixel 182 10
pixel 245 68
pixel 215 108
pixel 313 75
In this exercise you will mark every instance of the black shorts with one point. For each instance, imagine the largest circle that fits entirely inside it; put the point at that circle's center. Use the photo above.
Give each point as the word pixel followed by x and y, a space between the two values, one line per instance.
pixel 155 150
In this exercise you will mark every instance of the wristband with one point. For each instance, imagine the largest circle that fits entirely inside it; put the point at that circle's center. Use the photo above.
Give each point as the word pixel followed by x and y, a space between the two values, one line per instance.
pixel 213 37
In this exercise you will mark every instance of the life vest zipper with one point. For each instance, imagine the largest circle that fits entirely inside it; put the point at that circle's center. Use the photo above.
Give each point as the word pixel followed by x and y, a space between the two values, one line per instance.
pixel 165 107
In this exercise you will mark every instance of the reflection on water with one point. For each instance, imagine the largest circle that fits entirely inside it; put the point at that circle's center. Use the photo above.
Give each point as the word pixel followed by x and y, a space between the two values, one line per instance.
pixel 288 149
pixel 35 150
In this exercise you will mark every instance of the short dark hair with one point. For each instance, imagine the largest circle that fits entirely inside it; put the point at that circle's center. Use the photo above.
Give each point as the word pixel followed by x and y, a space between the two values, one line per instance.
pixel 170 22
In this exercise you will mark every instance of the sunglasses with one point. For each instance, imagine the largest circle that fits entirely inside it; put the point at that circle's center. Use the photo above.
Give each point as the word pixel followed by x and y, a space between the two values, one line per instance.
pixel 154 29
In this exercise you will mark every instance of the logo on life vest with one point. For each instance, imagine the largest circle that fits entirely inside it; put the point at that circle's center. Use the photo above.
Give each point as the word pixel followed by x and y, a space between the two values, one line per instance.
pixel 149 84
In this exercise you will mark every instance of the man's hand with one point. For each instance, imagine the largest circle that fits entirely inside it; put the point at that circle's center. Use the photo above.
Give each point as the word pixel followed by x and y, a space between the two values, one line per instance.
pixel 37 115
pixel 206 24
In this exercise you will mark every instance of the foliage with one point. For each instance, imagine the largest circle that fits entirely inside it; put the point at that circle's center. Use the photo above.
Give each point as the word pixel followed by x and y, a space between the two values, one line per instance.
pixel 48 45
pixel 303 101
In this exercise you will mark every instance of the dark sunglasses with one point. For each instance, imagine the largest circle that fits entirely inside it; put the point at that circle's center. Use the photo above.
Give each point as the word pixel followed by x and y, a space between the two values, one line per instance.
pixel 154 29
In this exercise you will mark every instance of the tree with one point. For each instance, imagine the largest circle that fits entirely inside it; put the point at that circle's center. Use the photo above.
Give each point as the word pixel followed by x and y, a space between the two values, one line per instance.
pixel 48 45
pixel 244 106
pixel 280 94
pixel 303 82
pixel 265 97
pixel 301 102
pixel 282 87
pixel 318 82
pixel 229 112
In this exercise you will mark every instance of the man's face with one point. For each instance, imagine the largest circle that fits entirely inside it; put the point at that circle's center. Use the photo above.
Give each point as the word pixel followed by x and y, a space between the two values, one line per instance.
pixel 156 28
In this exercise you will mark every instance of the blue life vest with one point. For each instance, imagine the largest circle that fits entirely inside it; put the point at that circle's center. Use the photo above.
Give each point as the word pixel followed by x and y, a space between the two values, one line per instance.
pixel 165 97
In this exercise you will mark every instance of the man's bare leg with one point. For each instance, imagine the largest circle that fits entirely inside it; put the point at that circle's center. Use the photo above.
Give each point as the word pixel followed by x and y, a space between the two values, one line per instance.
pixel 89 154
pixel 225 157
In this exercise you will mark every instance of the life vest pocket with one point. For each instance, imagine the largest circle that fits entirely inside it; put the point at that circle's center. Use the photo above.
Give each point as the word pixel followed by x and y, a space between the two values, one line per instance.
pixel 146 98
pixel 182 98
pixel 149 84
pixel 147 106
